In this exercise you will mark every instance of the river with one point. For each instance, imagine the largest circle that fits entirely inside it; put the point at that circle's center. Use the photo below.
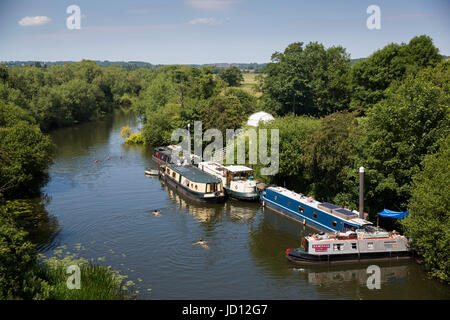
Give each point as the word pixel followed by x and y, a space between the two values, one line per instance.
pixel 104 213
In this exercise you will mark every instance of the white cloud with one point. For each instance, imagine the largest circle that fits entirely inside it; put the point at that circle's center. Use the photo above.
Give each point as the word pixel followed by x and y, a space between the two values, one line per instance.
pixel 34 21
pixel 204 21
pixel 210 4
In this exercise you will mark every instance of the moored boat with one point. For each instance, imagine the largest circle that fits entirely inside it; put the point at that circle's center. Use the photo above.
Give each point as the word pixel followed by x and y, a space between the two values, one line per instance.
pixel 368 243
pixel 168 155
pixel 193 183
pixel 237 180
pixel 320 216
pixel 151 172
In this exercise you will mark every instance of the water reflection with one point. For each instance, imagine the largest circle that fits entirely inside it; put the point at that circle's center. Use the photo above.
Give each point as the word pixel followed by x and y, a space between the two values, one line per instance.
pixel 332 275
pixel 205 213
pixel 33 217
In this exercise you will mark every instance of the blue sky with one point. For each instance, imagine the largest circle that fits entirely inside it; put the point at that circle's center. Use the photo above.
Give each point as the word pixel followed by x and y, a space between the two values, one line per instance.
pixel 209 31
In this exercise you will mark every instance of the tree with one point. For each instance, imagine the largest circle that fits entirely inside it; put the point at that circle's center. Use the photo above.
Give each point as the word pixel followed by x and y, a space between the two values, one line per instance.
pixel 328 151
pixel 308 80
pixel 399 132
pixel 372 76
pixel 25 152
pixel 159 126
pixel 428 223
pixel 224 112
pixel 293 132
pixel 232 76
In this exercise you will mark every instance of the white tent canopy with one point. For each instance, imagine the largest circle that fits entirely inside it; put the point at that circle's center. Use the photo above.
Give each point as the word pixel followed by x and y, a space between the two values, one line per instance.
pixel 255 118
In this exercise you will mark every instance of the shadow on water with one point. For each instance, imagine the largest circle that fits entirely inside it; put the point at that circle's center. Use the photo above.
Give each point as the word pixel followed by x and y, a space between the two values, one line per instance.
pixel 33 217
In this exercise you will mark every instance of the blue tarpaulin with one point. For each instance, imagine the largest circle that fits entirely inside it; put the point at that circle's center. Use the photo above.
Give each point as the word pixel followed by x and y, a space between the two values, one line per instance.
pixel 393 214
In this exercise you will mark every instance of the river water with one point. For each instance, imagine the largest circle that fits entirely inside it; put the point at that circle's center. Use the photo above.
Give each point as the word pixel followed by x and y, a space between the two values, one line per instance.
pixel 104 213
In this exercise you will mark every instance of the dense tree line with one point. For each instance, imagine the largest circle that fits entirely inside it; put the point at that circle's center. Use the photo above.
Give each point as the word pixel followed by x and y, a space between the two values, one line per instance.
pixel 35 100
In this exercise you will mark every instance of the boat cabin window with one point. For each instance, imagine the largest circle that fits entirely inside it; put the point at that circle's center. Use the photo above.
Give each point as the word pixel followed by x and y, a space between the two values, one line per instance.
pixel 211 187
pixel 390 244
pixel 301 209
pixel 338 246
pixel 315 214
pixel 173 174
pixel 275 197
pixel 334 223
pixel 239 176
pixel 354 245
pixel 370 245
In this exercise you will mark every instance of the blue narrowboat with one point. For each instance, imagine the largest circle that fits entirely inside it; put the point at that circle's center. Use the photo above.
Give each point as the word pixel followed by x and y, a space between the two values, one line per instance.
pixel 320 216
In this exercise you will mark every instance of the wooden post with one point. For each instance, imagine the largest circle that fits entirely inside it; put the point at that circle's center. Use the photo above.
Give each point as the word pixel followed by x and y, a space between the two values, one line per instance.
pixel 361 192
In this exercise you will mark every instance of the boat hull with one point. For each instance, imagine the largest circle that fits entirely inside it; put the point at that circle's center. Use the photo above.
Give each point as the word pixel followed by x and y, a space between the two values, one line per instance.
pixel 307 258
pixel 289 207
pixel 191 195
pixel 295 217
pixel 242 196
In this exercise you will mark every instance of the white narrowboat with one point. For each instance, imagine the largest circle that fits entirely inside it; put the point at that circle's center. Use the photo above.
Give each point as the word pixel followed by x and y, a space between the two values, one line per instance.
pixel 237 180
pixel 367 243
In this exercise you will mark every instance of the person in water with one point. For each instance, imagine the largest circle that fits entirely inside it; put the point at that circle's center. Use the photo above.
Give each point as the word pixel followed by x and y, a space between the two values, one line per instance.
pixel 156 213
pixel 202 243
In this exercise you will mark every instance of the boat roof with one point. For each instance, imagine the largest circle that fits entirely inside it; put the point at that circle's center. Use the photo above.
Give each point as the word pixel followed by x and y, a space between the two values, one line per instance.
pixel 163 150
pixel 232 168
pixel 314 203
pixel 238 168
pixel 194 174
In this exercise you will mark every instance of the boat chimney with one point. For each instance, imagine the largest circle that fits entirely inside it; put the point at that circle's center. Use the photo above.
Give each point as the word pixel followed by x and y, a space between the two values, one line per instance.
pixel 361 192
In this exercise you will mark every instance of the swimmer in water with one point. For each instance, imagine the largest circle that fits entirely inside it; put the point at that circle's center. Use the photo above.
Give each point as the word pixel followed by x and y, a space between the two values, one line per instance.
pixel 156 213
pixel 202 243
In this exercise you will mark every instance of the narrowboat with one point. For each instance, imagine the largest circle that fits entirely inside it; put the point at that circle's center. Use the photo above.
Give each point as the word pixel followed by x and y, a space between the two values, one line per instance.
pixel 320 216
pixel 367 243
pixel 168 155
pixel 237 180
pixel 193 183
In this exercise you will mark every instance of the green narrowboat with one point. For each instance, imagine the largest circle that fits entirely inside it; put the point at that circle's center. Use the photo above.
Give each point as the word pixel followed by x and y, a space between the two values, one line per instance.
pixel 193 183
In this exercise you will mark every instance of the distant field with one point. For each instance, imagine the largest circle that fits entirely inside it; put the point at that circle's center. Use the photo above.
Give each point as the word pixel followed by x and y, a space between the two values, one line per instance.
pixel 249 84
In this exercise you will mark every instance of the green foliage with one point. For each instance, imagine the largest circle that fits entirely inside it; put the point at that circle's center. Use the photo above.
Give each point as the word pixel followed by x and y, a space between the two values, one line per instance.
pixel 125 132
pixel 17 258
pixel 428 223
pixel 225 112
pixel 399 132
pixel 159 125
pixel 328 151
pixel 25 152
pixel 96 282
pixel 308 80
pixel 372 76
pixel 232 76
pixel 136 138
pixel 63 95
pixel 293 132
